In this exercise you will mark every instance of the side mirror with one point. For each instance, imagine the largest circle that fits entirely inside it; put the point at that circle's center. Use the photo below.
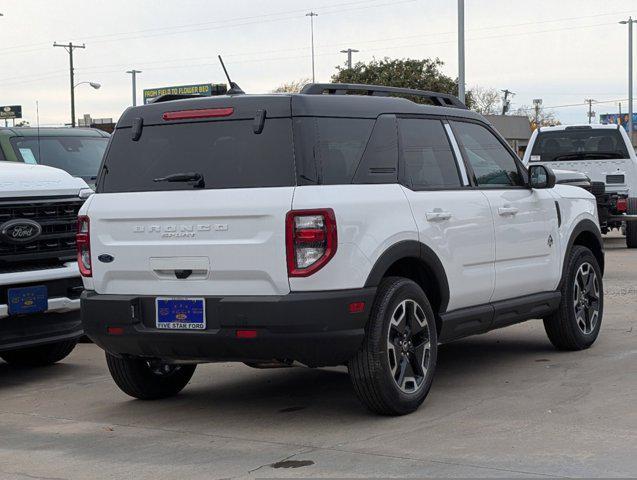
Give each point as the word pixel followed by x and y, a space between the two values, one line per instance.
pixel 541 176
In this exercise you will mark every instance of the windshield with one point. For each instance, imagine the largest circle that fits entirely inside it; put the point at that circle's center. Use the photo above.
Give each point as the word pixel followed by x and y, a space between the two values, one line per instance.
pixel 79 156
pixel 578 144
pixel 219 154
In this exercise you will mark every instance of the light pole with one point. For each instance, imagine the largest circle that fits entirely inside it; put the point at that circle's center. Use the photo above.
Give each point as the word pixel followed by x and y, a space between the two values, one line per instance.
pixel 349 52
pixel 630 22
pixel 461 73
pixel 312 15
pixel 94 85
pixel 134 81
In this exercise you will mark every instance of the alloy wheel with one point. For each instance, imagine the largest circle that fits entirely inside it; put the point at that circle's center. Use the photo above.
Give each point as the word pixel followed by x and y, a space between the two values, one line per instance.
pixel 586 298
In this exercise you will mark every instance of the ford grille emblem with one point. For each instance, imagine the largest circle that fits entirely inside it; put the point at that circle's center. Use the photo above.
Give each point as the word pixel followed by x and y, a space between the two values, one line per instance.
pixel 20 231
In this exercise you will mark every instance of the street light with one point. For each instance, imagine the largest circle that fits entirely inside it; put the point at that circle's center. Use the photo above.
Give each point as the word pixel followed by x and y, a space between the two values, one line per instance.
pixel 95 85
pixel 630 22
pixel 312 15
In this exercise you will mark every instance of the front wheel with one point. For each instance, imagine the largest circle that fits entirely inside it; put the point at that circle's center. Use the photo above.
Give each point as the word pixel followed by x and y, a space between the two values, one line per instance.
pixel 393 371
pixel 41 355
pixel 576 323
pixel 148 379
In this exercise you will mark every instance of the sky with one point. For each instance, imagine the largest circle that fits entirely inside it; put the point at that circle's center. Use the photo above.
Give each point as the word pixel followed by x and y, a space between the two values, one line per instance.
pixel 562 51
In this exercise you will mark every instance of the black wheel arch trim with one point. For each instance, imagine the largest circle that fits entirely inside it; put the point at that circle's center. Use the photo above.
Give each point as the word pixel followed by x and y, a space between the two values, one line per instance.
pixel 589 226
pixel 412 249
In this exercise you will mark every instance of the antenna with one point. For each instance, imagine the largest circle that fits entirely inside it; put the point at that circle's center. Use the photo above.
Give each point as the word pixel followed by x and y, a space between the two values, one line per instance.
pixel 234 88
pixel 37 119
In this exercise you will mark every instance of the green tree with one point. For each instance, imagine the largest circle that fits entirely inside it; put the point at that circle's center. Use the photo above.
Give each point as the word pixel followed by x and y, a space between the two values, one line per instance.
pixel 423 74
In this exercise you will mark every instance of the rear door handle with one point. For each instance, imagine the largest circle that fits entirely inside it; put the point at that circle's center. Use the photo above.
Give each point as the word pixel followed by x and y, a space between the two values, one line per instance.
pixel 507 211
pixel 437 216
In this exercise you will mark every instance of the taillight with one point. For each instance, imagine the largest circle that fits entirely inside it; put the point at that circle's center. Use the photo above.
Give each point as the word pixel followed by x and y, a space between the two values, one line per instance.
pixel 311 240
pixel 83 243
pixel 621 205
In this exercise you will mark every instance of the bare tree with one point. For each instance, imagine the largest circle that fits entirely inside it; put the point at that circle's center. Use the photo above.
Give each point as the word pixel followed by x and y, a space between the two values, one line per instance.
pixel 539 117
pixel 294 86
pixel 486 100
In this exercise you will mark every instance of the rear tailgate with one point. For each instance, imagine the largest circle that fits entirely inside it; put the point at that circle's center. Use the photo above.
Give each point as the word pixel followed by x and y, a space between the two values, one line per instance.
pixel 223 234
pixel 232 241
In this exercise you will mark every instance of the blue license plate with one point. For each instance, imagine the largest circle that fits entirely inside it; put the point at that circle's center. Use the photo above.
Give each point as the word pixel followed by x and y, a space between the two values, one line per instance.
pixel 28 300
pixel 181 313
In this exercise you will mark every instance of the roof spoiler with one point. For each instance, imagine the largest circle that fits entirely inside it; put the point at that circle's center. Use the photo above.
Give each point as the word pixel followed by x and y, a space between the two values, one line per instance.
pixel 439 99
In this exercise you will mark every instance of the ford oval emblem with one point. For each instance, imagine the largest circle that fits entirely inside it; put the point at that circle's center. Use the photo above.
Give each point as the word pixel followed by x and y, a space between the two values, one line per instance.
pixel 20 231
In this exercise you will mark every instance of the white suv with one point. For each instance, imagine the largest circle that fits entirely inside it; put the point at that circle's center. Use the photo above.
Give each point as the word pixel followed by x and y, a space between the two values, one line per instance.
pixel 323 229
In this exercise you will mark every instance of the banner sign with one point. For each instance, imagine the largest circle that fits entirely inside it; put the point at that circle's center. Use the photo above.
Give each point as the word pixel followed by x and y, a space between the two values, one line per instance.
pixel 11 111
pixel 617 119
pixel 203 90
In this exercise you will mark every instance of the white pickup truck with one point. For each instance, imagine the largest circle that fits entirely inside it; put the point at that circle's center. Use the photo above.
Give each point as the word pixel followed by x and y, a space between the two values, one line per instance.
pixel 605 155
pixel 40 283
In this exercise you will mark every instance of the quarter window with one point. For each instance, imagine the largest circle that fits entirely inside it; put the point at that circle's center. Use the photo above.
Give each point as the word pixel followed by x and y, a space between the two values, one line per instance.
pixel 427 156
pixel 492 163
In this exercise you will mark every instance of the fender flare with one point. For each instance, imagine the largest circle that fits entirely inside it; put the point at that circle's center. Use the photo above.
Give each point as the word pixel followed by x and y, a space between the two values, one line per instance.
pixel 412 249
pixel 585 225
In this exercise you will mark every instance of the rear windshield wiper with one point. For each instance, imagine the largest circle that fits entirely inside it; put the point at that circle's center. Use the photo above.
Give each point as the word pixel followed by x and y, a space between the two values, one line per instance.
pixel 190 177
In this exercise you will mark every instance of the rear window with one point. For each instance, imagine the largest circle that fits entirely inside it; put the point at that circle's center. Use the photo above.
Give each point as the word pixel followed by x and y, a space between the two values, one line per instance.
pixel 227 154
pixel 578 144
pixel 79 156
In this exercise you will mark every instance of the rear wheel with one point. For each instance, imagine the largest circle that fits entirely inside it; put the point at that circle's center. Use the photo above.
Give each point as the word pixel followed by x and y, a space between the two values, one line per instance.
pixel 148 379
pixel 576 324
pixel 393 371
pixel 41 355
pixel 631 227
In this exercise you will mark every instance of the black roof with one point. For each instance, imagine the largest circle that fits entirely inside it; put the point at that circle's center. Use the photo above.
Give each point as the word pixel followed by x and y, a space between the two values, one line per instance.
pixel 302 104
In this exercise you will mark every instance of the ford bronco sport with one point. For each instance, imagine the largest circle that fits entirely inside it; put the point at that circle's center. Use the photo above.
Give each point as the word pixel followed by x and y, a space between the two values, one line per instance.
pixel 338 226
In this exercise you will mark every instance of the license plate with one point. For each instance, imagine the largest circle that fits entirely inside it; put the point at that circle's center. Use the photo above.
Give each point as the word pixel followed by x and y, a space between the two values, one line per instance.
pixel 181 313
pixel 27 300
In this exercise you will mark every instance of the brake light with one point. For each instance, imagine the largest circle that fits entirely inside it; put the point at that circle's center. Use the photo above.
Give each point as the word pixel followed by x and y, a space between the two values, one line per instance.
pixel 621 205
pixel 201 113
pixel 310 240
pixel 83 243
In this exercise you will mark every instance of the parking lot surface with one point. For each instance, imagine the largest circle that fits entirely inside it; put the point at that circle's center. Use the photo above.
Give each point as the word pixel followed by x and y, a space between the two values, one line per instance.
pixel 504 404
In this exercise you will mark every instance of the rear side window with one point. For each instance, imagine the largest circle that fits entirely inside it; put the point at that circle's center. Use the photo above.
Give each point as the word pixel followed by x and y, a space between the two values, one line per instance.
pixel 228 154
pixel 427 156
pixel 578 144
pixel 492 164
pixel 330 149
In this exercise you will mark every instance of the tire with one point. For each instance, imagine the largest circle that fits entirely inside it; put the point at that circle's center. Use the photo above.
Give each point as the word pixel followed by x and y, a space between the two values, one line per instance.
pixel 631 227
pixel 147 380
pixel 39 356
pixel 375 371
pixel 567 329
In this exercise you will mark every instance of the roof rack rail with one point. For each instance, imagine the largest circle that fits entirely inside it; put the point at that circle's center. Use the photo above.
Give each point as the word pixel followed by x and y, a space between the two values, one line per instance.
pixel 171 96
pixel 439 99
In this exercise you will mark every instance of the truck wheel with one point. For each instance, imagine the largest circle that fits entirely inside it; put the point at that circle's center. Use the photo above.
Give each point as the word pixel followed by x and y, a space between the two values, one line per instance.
pixel 41 355
pixel 148 380
pixel 631 227
pixel 576 323
pixel 393 371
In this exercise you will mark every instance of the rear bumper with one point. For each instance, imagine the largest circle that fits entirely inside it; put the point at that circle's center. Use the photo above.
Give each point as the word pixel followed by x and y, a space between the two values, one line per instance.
pixel 314 328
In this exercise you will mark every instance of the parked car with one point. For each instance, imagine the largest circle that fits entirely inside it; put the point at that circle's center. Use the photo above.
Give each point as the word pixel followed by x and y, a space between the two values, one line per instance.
pixel 78 151
pixel 323 229
pixel 40 284
pixel 604 154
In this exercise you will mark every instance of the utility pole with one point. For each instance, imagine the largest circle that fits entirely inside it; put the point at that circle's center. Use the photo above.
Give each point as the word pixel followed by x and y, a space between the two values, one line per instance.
pixel 630 22
pixel 506 103
pixel 312 15
pixel 134 81
pixel 461 73
pixel 69 48
pixel 349 52
pixel 591 113
pixel 537 105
